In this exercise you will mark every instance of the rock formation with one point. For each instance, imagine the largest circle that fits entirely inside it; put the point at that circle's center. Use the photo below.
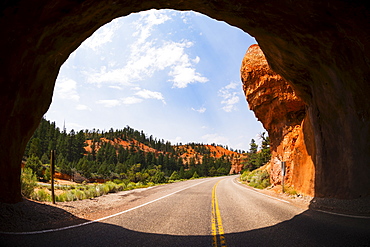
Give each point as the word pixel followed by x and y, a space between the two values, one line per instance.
pixel 320 47
pixel 237 165
pixel 283 114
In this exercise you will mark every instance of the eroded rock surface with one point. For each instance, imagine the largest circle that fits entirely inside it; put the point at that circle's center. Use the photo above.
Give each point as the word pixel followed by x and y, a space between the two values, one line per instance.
pixel 283 114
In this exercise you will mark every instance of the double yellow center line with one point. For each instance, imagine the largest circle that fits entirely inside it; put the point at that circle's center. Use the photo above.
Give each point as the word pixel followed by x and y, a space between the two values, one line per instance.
pixel 217 228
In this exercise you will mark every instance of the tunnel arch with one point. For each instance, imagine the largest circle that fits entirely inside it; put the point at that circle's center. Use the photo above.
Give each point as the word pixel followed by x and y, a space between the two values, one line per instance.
pixel 319 47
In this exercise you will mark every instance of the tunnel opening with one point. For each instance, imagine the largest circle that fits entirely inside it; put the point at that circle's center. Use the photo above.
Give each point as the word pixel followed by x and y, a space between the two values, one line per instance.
pixel 168 73
pixel 158 68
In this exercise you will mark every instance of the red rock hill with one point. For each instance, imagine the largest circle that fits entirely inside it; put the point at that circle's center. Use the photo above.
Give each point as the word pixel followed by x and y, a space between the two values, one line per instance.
pixel 187 152
pixel 236 159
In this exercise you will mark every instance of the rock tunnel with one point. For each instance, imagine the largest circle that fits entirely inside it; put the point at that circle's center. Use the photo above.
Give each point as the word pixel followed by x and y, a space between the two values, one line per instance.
pixel 320 47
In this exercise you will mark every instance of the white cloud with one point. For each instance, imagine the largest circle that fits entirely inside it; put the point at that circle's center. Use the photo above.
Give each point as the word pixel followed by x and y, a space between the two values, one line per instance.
pixel 232 85
pixel 149 59
pixel 66 88
pixel 146 22
pixel 148 56
pixel 102 36
pixel 131 100
pixel 200 110
pixel 196 60
pixel 142 94
pixel 183 75
pixel 117 76
pixel 109 102
pixel 116 87
pixel 230 97
pixel 147 94
pixel 83 107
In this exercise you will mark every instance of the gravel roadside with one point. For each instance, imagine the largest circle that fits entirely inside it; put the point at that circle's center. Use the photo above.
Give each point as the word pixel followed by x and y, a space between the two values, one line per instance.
pixel 30 215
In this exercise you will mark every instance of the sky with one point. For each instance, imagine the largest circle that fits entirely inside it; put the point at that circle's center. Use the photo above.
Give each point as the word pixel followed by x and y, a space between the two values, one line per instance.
pixel 175 75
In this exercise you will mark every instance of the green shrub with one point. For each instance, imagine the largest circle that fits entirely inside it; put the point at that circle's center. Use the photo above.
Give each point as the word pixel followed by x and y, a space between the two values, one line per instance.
pixel 259 179
pixel 28 182
pixel 150 184
pixel 131 186
pixel 61 197
pixel 195 175
pixel 158 177
pixel 117 181
pixel 99 190
pixel 106 188
pixel 290 191
pixel 112 186
pixel 79 195
pixel 244 176
pixel 42 196
pixel 70 196
pixel 121 186
pixel 174 176
pixel 139 185
pixel 126 181
pixel 91 192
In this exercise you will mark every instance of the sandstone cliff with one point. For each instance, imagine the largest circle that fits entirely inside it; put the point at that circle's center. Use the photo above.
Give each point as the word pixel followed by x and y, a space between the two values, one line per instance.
pixel 284 116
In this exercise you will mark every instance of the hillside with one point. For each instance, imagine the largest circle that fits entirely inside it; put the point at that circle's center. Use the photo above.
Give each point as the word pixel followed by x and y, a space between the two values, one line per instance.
pixel 119 142
pixel 125 154
pixel 191 154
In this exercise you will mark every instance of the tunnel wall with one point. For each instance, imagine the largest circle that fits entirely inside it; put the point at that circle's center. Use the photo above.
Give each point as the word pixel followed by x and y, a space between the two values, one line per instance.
pixel 319 47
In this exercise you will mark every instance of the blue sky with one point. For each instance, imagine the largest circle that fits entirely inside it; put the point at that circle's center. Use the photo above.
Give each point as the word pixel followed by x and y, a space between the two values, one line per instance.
pixel 174 75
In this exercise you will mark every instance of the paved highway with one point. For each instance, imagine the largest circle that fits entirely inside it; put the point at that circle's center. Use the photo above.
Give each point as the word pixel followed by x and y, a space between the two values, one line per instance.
pixel 207 212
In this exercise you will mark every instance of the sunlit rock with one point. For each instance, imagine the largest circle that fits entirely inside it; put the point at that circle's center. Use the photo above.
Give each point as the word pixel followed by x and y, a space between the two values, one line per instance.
pixel 283 115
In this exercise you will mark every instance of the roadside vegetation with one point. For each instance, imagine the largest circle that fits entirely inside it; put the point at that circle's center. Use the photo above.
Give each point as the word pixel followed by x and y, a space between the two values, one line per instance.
pixel 103 162
pixel 42 192
pixel 94 155
pixel 258 178
pixel 254 172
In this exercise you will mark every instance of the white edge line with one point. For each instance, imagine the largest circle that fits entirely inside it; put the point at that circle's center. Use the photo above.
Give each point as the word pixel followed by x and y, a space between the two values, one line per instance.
pixel 344 215
pixel 318 210
pixel 265 194
pixel 101 219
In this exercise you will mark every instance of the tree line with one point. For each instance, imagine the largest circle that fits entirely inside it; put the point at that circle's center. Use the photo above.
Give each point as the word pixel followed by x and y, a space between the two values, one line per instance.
pixel 257 158
pixel 108 160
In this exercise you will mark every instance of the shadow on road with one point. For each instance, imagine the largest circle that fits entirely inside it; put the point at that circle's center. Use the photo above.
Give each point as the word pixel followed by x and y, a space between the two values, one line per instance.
pixel 34 216
pixel 311 228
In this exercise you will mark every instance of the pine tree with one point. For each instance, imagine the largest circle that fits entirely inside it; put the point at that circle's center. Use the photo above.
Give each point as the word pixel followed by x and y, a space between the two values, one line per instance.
pixel 35 148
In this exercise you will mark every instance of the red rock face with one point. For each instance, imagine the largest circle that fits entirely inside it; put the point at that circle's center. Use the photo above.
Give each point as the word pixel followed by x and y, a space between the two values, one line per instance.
pixel 283 114
pixel 236 165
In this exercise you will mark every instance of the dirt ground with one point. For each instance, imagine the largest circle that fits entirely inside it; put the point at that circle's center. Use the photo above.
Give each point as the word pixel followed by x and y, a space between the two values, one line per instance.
pixel 30 215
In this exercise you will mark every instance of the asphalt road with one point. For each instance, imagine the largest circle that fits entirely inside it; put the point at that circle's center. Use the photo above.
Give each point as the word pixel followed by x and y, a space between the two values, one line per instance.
pixel 207 212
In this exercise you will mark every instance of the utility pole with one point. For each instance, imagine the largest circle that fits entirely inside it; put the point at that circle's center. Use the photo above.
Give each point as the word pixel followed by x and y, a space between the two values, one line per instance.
pixel 52 170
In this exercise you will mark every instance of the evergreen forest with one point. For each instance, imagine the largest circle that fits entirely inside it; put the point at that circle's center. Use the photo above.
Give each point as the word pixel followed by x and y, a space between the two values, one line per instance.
pixel 125 154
